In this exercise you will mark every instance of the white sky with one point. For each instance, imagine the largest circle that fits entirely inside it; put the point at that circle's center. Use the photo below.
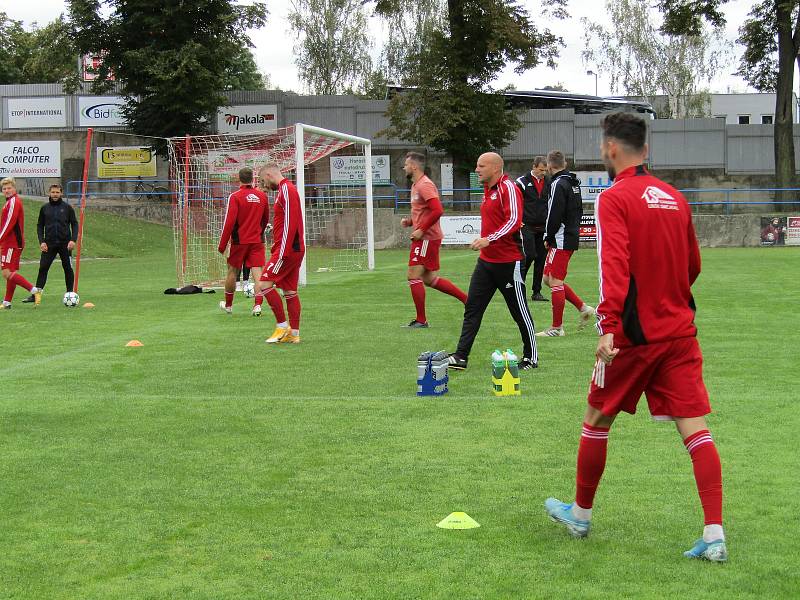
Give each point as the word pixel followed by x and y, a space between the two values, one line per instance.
pixel 274 43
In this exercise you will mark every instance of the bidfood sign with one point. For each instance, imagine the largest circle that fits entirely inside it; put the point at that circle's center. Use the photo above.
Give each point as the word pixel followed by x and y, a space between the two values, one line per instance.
pixel 100 111
pixel 247 118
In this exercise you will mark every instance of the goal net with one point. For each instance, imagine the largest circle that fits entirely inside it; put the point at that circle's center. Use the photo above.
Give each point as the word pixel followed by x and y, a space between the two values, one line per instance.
pixel 333 175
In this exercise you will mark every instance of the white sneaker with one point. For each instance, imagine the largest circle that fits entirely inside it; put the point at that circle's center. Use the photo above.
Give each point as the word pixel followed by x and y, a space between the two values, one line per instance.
pixel 587 313
pixel 223 308
pixel 257 310
pixel 552 332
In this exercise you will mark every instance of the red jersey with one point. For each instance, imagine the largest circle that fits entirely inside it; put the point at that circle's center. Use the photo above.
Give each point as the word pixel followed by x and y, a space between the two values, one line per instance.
pixel 12 224
pixel 287 224
pixel 501 219
pixel 649 258
pixel 246 217
pixel 426 208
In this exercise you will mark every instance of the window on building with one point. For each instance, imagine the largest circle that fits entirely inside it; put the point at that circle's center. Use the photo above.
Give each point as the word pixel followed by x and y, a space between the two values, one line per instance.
pixel 744 119
pixel 766 119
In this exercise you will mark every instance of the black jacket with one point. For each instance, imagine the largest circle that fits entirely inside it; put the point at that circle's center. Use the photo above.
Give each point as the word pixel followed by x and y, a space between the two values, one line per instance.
pixel 57 224
pixel 534 205
pixel 565 208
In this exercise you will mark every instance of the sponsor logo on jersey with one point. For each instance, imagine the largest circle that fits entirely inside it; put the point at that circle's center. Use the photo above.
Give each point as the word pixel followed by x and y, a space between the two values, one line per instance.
pixel 657 198
pixel 253 198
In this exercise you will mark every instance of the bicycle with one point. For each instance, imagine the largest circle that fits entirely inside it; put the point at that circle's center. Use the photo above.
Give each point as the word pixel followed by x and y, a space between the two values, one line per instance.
pixel 148 190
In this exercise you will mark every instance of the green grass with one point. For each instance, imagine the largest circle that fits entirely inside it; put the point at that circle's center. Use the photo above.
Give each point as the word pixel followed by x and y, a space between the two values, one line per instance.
pixel 209 465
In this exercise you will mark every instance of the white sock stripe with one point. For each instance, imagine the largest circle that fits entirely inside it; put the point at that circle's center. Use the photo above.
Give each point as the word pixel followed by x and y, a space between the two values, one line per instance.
pixel 699 441
pixel 414 281
pixel 590 433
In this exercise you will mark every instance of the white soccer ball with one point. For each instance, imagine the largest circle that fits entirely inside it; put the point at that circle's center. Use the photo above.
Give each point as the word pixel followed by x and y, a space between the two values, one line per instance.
pixel 249 289
pixel 71 299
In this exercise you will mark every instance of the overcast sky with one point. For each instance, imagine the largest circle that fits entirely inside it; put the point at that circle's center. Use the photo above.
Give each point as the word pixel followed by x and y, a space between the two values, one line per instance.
pixel 273 45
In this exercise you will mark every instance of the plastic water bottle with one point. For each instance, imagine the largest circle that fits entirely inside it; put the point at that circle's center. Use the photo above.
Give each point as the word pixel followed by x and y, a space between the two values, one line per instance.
pixel 498 368
pixel 513 365
pixel 422 368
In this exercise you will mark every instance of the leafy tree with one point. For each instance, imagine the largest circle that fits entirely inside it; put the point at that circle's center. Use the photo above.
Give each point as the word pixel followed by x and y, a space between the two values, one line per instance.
pixel 645 62
pixel 771 36
pixel 245 74
pixel 171 59
pixel 450 103
pixel 41 55
pixel 408 30
pixel 332 49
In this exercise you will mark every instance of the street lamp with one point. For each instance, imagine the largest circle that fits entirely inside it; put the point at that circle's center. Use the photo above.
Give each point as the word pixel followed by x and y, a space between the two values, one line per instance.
pixel 595 80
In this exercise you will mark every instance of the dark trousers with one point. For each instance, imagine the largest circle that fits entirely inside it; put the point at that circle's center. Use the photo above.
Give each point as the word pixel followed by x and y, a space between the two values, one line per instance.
pixel 535 253
pixel 47 259
pixel 486 279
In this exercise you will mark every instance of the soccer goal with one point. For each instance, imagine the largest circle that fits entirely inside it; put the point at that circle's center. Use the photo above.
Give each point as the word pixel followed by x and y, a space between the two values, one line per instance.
pixel 333 175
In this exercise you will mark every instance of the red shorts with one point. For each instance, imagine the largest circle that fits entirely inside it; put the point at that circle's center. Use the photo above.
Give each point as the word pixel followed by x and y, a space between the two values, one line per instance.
pixel 556 262
pixel 284 273
pixel 670 374
pixel 425 253
pixel 9 258
pixel 249 255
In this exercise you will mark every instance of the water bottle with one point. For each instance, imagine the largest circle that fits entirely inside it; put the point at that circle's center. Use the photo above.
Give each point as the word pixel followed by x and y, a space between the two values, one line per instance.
pixel 498 368
pixel 422 368
pixel 513 365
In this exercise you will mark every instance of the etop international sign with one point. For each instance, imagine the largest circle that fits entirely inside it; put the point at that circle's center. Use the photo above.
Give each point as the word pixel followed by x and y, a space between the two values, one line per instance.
pixel 126 161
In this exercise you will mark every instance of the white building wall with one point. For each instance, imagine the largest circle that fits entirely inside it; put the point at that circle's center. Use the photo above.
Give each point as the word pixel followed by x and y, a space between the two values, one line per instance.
pixel 754 106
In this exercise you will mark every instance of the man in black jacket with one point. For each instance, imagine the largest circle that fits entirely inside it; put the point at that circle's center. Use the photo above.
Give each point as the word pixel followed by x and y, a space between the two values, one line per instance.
pixel 57 229
pixel 535 187
pixel 564 211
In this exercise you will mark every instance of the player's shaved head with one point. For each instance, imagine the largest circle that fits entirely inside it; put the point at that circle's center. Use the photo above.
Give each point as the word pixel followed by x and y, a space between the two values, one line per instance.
pixel 489 168
pixel 270 175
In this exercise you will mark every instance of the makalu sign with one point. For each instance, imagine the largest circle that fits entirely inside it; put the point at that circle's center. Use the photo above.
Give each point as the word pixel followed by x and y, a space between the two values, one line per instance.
pixel 30 159
pixel 100 111
pixel 247 118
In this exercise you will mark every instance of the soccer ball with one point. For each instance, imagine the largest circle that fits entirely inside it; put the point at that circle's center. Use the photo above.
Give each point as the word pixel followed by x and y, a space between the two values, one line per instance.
pixel 71 299
pixel 249 289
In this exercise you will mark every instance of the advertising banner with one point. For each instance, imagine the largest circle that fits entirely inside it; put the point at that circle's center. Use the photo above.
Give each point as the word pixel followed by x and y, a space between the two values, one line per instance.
pixel 447 179
pixel 587 231
pixel 793 231
pixel 126 161
pixel 247 118
pixel 30 159
pixel 31 113
pixel 773 231
pixel 350 169
pixel 100 111
pixel 592 183
pixel 224 164
pixel 460 229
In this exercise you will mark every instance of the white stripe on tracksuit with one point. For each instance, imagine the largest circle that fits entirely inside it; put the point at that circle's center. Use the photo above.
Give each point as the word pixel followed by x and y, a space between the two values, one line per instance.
pixel 506 228
pixel 285 235
pixel 12 204
pixel 523 309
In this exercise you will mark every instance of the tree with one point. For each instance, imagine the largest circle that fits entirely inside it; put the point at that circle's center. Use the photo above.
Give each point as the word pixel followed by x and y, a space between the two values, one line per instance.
pixel 450 103
pixel 771 36
pixel 645 62
pixel 41 55
pixel 171 59
pixel 408 30
pixel 245 74
pixel 332 48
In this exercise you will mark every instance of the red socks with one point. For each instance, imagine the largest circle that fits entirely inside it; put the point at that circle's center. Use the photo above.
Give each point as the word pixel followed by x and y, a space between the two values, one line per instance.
pixel 707 474
pixel 10 287
pixel 447 286
pixel 275 303
pixel 19 280
pixel 591 463
pixel 418 294
pixel 572 297
pixel 259 299
pixel 293 308
pixel 228 299
pixel 557 298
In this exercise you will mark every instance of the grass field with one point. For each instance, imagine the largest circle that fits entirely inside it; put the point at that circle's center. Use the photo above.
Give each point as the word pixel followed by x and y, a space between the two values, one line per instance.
pixel 209 465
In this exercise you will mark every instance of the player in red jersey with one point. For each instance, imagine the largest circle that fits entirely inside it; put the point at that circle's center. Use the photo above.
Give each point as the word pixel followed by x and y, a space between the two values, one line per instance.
pixel 12 241
pixel 649 258
pixel 426 239
pixel 246 217
pixel 499 264
pixel 286 256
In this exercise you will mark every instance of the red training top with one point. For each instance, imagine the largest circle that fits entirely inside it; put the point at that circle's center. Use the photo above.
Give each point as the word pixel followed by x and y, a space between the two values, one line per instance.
pixel 12 224
pixel 287 224
pixel 501 219
pixel 426 208
pixel 649 258
pixel 246 217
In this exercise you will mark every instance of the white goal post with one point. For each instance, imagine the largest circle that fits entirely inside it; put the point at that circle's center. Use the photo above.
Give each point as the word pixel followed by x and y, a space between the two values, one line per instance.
pixel 333 175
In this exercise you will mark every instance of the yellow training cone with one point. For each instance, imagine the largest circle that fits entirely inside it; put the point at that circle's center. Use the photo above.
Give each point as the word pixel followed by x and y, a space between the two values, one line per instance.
pixel 458 520
pixel 88 305
pixel 134 344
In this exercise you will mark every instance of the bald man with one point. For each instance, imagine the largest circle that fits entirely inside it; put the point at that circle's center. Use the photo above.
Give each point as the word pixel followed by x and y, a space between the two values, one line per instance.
pixel 499 264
